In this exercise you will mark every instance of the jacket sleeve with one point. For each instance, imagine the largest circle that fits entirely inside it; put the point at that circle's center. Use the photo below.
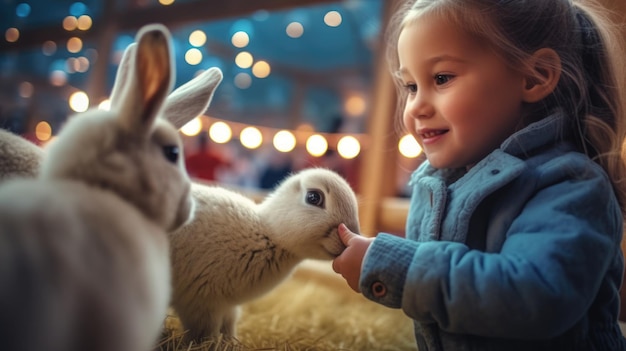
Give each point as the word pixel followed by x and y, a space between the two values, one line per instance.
pixel 551 266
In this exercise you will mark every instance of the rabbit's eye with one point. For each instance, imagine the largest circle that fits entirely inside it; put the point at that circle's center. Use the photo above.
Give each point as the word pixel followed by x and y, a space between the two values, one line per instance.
pixel 315 198
pixel 171 153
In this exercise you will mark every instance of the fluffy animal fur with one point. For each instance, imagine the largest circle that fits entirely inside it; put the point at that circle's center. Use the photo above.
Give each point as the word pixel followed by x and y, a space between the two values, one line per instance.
pixel 236 250
pixel 18 157
pixel 84 256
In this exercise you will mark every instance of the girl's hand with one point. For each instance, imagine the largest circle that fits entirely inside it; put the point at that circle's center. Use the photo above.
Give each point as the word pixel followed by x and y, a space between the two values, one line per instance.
pixel 349 263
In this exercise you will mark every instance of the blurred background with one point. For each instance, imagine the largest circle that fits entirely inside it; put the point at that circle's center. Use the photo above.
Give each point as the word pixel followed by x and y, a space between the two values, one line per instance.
pixel 305 84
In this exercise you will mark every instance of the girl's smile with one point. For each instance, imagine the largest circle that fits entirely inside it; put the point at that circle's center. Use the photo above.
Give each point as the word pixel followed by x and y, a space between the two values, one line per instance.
pixel 463 100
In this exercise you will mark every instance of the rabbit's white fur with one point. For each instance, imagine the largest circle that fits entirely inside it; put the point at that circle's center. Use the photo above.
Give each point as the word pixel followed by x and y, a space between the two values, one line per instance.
pixel 18 157
pixel 84 256
pixel 236 250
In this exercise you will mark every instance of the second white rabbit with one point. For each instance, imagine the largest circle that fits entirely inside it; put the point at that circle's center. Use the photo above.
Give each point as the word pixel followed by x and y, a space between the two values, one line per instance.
pixel 236 250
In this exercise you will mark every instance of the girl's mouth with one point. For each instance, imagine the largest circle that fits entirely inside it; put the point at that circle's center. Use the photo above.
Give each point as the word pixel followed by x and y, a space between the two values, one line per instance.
pixel 433 133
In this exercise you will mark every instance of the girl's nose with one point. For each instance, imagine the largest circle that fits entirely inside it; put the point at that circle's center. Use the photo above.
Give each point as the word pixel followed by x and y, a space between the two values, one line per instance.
pixel 419 106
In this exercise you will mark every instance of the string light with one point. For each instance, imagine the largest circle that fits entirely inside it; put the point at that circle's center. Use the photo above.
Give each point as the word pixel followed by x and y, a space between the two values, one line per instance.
pixel 409 147
pixel 316 145
pixel 332 19
pixel 79 101
pixel 348 147
pixel 284 141
pixel 220 132
pixel 192 128
pixel 295 30
pixel 43 131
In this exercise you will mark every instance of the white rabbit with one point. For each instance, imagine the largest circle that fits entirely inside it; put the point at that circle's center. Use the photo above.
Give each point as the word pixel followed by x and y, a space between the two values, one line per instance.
pixel 236 250
pixel 21 158
pixel 18 157
pixel 84 256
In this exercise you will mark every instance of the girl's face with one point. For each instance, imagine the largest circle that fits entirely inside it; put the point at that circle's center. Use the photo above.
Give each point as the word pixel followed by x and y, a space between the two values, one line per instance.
pixel 463 100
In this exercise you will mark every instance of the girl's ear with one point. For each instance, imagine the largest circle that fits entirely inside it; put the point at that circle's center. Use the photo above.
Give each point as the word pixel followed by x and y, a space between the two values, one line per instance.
pixel 544 76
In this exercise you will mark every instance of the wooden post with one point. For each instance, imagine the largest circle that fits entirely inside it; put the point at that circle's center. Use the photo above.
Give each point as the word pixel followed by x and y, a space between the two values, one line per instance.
pixel 378 169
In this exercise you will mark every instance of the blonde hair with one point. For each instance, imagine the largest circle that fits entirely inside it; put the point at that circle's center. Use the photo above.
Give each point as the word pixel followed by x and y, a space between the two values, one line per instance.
pixel 591 87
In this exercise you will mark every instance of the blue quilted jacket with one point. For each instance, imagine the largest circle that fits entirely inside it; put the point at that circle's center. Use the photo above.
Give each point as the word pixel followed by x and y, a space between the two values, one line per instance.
pixel 522 252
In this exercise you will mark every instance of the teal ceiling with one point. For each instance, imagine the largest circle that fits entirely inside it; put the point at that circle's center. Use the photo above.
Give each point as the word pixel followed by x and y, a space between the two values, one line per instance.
pixel 311 75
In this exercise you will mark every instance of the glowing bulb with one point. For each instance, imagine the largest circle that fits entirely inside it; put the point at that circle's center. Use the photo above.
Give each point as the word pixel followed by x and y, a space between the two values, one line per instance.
pixel 295 30
pixel 354 105
pixel 70 23
pixel 284 141
pixel 192 128
pixel 79 101
pixel 348 147
pixel 197 38
pixel 105 105
pixel 244 59
pixel 316 145
pixel 12 34
pixel 240 39
pixel 166 2
pixel 243 80
pixel 193 56
pixel 220 132
pixel 84 22
pixel 261 69
pixel 251 137
pixel 409 147
pixel 74 45
pixel 332 18
pixel 43 131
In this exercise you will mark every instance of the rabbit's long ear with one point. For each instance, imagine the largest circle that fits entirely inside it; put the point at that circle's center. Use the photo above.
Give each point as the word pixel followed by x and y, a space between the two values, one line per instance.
pixel 151 79
pixel 192 98
pixel 124 71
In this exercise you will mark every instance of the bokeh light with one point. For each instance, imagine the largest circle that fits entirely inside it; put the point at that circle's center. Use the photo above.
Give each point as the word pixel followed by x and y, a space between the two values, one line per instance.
pixel 105 105
pixel 316 145
pixel 79 101
pixel 261 69
pixel 49 48
pixel 332 19
pixel 220 132
pixel 240 39
pixel 70 23
pixel 43 131
pixel 197 38
pixel 354 105
pixel 295 30
pixel 193 56
pixel 284 141
pixel 192 128
pixel 26 89
pixel 244 59
pixel 348 147
pixel 12 35
pixel 409 147
pixel 84 22
pixel 251 137
pixel 74 45
pixel 243 80
pixel 22 10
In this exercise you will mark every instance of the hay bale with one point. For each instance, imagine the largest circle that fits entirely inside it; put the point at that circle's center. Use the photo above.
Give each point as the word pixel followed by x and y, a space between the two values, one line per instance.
pixel 312 310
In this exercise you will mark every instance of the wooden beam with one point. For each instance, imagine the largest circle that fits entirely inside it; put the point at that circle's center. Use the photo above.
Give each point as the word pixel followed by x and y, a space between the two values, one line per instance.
pixel 378 170
pixel 172 16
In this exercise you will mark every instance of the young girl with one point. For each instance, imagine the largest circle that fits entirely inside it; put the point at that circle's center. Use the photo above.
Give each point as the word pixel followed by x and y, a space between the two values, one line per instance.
pixel 515 221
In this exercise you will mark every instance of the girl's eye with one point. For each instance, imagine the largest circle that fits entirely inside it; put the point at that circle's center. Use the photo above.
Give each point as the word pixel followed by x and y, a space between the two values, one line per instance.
pixel 441 79
pixel 411 88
